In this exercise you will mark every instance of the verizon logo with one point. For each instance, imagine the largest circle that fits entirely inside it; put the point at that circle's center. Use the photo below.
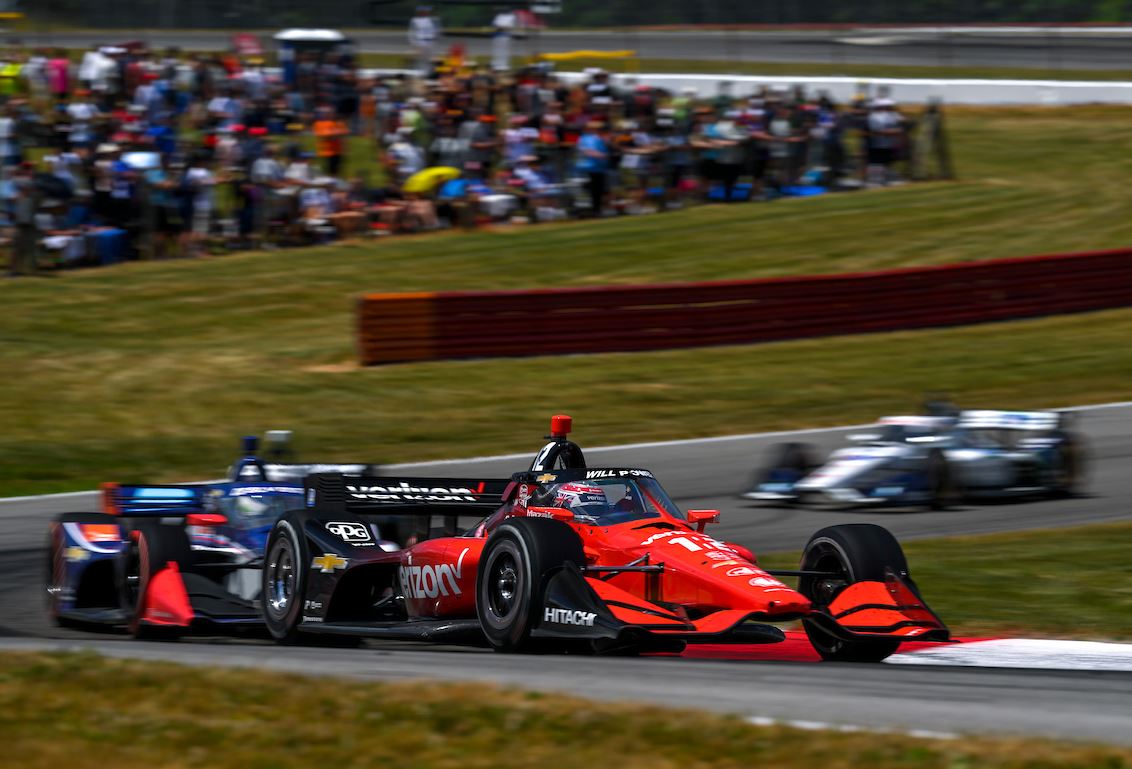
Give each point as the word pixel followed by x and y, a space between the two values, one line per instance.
pixel 403 492
pixel 431 581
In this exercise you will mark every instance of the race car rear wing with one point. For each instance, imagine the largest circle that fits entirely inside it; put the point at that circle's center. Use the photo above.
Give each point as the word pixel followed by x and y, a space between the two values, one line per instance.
pixel 151 500
pixel 294 473
pixel 372 495
pixel 1011 420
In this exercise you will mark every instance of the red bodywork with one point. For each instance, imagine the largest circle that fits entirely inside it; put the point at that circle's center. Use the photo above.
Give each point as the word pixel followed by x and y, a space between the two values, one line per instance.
pixel 707 587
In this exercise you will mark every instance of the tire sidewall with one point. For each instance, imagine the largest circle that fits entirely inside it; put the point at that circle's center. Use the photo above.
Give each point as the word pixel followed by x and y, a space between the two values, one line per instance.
pixel 284 627
pixel 865 552
pixel 511 631
pixel 539 547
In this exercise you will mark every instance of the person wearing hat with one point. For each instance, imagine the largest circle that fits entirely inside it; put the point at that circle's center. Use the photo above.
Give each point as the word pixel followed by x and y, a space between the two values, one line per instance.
pixel 424 29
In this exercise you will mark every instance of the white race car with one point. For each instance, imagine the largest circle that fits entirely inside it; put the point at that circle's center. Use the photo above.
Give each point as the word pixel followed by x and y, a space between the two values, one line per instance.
pixel 932 461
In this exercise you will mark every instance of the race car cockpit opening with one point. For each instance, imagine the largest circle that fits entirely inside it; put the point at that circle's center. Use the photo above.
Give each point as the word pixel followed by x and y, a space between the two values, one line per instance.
pixel 608 501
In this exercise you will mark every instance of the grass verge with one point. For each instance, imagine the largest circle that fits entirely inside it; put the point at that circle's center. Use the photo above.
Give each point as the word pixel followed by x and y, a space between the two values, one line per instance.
pixel 150 370
pixel 115 401
pixel 1064 583
pixel 87 710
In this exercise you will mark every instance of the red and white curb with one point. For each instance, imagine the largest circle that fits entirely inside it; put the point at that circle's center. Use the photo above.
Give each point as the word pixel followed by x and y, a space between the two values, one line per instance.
pixel 1023 653
pixel 1029 653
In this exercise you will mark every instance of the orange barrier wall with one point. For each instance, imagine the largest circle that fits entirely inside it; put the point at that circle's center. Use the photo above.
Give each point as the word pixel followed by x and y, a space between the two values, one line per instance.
pixel 395 328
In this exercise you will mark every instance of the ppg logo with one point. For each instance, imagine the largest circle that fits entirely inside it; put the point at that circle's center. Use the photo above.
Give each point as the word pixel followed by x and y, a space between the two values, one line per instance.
pixel 349 531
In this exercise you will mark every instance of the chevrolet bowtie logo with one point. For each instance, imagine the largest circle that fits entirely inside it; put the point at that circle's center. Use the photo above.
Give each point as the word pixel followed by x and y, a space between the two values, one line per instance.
pixel 546 477
pixel 328 563
pixel 75 554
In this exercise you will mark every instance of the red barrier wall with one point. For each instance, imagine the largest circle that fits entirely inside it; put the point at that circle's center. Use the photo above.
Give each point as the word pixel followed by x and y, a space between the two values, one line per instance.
pixel 428 326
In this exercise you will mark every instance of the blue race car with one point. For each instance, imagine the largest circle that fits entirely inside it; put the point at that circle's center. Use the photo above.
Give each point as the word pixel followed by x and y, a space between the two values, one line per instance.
pixel 161 559
pixel 933 461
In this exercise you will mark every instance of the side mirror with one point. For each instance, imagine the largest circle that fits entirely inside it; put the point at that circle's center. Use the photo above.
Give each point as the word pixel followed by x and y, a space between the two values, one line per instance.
pixel 557 513
pixel 205 519
pixel 701 518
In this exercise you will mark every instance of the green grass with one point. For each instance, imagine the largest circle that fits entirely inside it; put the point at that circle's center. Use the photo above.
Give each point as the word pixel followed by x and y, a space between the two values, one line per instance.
pixel 150 371
pixel 87 712
pixel 1070 583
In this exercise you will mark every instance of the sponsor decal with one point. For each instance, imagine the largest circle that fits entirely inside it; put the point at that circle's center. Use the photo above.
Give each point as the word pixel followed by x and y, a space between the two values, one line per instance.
pixel 101 532
pixel 546 478
pixel 308 618
pixel 431 581
pixel 741 571
pixel 719 555
pixel 310 497
pixel 75 554
pixel 524 495
pixel 538 514
pixel 255 491
pixel 765 581
pixel 732 562
pixel 618 473
pixel 569 617
pixel 328 562
pixel 350 532
pixel 312 605
pixel 403 492
pixel 658 537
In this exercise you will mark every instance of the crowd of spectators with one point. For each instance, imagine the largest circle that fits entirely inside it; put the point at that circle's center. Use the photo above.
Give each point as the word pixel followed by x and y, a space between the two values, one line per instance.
pixel 128 153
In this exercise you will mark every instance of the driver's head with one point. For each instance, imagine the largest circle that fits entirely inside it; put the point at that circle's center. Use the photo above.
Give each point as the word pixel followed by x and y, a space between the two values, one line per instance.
pixel 582 499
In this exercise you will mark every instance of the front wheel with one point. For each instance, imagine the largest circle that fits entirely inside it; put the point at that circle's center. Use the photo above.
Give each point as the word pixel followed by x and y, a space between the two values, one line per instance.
pixel 1067 468
pixel 284 576
pixel 511 581
pixel 854 552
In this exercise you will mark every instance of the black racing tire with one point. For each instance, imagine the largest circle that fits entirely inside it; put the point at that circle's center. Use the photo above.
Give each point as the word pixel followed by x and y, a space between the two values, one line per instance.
pixel 511 578
pixel 286 560
pixel 149 547
pixel 1067 474
pixel 943 491
pixel 858 552
pixel 53 575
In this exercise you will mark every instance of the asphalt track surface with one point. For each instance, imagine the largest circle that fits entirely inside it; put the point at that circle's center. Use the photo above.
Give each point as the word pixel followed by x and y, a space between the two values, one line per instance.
pixel 1048 49
pixel 1086 705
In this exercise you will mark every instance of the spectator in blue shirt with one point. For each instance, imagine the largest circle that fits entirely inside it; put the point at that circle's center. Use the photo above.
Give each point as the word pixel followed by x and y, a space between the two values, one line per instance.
pixel 593 162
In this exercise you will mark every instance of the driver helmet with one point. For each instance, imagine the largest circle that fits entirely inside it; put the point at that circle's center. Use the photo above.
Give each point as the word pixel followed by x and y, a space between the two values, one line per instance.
pixel 582 499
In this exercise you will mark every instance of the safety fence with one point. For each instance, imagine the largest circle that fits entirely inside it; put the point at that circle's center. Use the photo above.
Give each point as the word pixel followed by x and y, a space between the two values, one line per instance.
pixel 395 328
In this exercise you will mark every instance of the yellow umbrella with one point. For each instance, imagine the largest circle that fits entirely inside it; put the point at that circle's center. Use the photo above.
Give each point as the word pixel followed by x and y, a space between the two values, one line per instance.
pixel 426 180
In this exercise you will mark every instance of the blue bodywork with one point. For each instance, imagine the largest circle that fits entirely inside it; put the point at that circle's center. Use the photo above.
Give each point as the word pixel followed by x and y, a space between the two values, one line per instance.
pixel 224 557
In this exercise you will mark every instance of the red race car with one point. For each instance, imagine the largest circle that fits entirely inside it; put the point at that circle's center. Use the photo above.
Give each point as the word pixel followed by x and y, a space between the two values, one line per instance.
pixel 570 558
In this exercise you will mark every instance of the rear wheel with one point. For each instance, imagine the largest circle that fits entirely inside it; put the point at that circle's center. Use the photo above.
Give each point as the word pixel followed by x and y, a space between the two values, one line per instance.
pixel 55 573
pixel 149 548
pixel 853 552
pixel 510 581
pixel 942 490
pixel 284 576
